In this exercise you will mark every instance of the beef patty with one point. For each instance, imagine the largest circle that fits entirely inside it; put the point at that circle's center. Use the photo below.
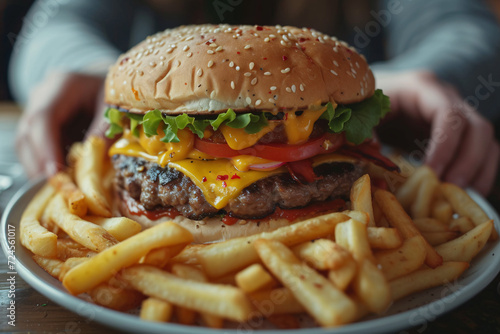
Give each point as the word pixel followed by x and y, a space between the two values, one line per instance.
pixel 154 186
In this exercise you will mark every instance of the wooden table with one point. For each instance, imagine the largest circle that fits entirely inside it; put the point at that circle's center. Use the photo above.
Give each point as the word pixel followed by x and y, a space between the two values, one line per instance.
pixel 35 313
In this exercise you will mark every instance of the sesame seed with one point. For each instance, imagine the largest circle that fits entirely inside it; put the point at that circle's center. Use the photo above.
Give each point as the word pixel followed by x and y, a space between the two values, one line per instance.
pixel 357 64
pixel 354 71
pixel 210 63
pixel 189 54
pixel 247 47
pixel 335 63
pixel 267 73
pixel 213 45
pixel 237 68
pixel 248 100
pixel 199 72
pixel 286 70
pixel 333 72
pixel 272 35
pixel 272 88
pixel 251 65
pixel 152 64
pixel 247 74
pixel 301 87
pixel 210 52
pixel 169 50
pixel 258 102
pixel 283 42
pixel 362 91
pixel 189 38
pixel 232 84
pixel 254 81
pixel 185 48
pixel 288 89
pixel 271 100
pixel 294 89
pixel 219 48
pixel 162 58
pixel 161 63
pixel 212 94
pixel 156 52
pixel 335 49
pixel 231 64
pixel 266 39
pixel 178 63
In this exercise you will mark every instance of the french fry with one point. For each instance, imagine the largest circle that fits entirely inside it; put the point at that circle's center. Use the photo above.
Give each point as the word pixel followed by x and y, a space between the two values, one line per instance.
pixel 88 175
pixel 105 264
pixel 384 237
pixel 407 193
pixel 468 245
pixel 361 197
pixel 369 282
pixel 322 254
pixel 442 210
pixel 70 264
pixel 73 196
pixel 328 305
pixel 377 213
pixel 219 300
pixel 115 298
pixel 67 248
pixel 343 276
pixel 195 274
pixel 218 259
pixel 352 235
pixel 430 225
pixel 438 238
pixel 275 301
pixel 398 218
pixel 372 287
pixel 154 309
pixel 358 215
pixel 426 278
pixel 421 206
pixel 160 257
pixel 188 255
pixel 87 234
pixel 403 260
pixel 34 236
pixel 51 266
pixel 465 206
pixel 253 278
pixel 462 224
pixel 119 227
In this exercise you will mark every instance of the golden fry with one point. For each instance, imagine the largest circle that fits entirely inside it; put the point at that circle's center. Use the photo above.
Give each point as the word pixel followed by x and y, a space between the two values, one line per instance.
pixel 154 309
pixel 322 254
pixel 384 237
pixel 73 196
pixel 403 260
pixel 361 197
pixel 34 236
pixel 119 227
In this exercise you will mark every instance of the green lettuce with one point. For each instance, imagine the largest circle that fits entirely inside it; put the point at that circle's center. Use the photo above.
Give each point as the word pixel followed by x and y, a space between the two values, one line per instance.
pixel 357 120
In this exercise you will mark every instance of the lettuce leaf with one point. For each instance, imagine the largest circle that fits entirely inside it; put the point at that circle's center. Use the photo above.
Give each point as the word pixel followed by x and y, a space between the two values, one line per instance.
pixel 357 120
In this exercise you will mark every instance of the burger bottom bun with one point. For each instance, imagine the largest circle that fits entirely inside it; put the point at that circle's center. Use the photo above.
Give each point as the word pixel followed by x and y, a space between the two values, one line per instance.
pixel 203 231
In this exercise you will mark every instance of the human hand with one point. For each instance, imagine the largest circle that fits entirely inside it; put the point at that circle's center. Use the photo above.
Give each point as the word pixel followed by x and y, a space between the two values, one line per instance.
pixel 58 111
pixel 462 148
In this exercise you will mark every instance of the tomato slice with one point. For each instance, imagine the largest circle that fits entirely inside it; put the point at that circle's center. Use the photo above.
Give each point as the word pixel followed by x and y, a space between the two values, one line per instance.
pixel 277 152
pixel 302 168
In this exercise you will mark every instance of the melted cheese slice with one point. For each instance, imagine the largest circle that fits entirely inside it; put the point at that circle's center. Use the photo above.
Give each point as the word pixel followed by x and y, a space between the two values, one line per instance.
pixel 299 128
pixel 219 180
pixel 238 139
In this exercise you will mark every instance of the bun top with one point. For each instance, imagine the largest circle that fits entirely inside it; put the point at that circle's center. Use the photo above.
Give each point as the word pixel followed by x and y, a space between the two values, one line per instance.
pixel 207 69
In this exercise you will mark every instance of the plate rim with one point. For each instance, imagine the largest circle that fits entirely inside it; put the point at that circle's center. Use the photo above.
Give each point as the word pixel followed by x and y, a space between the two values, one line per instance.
pixel 131 323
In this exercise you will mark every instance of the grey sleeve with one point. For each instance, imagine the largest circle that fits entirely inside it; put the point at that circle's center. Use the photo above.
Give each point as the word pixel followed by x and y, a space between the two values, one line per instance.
pixel 68 35
pixel 458 40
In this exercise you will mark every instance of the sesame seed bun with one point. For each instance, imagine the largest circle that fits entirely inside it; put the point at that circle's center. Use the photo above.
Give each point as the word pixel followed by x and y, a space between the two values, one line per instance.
pixel 207 69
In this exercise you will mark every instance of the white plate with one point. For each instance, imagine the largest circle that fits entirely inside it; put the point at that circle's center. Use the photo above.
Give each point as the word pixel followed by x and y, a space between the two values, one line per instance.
pixel 409 312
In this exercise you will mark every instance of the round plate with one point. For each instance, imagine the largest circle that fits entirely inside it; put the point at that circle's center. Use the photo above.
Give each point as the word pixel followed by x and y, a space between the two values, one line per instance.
pixel 408 312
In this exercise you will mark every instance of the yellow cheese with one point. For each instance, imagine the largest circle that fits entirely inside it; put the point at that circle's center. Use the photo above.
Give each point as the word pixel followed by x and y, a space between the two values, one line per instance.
pixel 219 180
pixel 238 139
pixel 299 128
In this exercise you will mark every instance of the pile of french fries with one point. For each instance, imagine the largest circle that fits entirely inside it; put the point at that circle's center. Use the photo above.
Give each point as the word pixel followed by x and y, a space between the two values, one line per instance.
pixel 337 267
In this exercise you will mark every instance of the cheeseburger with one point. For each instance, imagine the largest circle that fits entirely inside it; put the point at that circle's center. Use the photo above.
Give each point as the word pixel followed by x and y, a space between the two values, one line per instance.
pixel 234 130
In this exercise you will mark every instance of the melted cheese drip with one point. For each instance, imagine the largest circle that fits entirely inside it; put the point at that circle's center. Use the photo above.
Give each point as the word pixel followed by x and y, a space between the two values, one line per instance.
pixel 238 139
pixel 243 162
pixel 299 128
pixel 219 180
